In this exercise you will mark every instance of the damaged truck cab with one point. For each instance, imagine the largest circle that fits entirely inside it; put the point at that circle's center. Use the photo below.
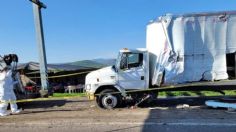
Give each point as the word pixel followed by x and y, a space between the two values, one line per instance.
pixel 180 50
pixel 131 72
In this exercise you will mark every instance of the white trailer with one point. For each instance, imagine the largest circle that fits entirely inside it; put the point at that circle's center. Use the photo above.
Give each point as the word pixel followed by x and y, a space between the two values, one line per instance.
pixel 180 50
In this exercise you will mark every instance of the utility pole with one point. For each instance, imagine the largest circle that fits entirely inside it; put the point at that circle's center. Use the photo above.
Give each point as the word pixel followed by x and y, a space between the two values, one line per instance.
pixel 37 5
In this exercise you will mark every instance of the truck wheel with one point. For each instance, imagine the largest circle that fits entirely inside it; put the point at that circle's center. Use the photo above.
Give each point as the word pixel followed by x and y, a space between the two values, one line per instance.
pixel 107 100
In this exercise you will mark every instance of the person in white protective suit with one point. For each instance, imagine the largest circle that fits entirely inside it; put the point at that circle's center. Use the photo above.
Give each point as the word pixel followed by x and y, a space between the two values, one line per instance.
pixel 7 94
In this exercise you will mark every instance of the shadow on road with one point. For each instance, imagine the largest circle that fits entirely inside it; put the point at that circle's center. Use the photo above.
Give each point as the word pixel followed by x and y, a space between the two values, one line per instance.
pixel 173 118
pixel 47 103
pixel 175 101
pixel 43 111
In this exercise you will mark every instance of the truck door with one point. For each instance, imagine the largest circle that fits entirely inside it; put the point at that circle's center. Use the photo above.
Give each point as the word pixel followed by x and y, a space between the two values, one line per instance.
pixel 131 74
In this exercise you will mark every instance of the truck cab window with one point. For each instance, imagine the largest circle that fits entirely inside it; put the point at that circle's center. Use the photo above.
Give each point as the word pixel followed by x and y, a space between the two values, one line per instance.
pixel 130 60
pixel 123 62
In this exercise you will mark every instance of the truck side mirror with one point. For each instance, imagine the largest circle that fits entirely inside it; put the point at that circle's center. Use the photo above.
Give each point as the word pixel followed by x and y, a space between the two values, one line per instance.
pixel 114 68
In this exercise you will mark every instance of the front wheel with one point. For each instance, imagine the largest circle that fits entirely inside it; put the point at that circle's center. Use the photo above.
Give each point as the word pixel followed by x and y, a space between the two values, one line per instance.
pixel 108 99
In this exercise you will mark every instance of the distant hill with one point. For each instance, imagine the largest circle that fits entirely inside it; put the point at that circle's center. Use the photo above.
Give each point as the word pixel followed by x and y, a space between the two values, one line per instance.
pixel 77 65
pixel 107 62
pixel 96 63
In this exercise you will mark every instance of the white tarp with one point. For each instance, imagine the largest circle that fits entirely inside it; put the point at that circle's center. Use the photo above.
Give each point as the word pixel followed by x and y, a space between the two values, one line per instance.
pixel 190 48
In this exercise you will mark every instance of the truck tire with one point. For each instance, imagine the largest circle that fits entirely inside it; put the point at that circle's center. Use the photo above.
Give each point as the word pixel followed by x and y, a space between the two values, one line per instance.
pixel 107 100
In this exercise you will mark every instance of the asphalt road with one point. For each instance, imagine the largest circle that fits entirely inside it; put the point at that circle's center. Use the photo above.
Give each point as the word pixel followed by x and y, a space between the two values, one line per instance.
pixel 165 115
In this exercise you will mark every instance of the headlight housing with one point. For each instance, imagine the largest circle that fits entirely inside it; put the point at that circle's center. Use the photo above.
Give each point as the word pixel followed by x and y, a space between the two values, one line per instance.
pixel 88 86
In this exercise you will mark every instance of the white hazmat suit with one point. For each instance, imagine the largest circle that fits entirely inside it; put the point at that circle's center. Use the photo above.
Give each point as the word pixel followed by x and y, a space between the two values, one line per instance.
pixel 7 94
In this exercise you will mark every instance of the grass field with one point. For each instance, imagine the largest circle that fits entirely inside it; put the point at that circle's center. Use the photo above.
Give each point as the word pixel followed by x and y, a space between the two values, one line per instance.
pixel 164 94
pixel 197 93
pixel 69 95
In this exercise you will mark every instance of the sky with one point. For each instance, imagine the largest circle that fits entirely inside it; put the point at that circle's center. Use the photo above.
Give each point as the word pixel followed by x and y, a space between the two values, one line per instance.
pixel 88 29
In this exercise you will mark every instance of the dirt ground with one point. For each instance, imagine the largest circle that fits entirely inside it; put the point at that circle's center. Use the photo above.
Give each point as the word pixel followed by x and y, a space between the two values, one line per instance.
pixel 79 114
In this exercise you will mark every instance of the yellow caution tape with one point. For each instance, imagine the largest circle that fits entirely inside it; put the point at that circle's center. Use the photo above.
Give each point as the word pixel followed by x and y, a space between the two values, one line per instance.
pixel 131 91
pixel 39 99
pixel 170 87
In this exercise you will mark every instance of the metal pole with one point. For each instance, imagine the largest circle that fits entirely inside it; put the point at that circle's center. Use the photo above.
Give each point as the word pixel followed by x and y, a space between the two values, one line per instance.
pixel 37 5
pixel 234 64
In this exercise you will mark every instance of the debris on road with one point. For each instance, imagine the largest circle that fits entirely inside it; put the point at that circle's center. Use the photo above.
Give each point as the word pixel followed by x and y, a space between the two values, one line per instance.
pixel 182 106
pixel 158 108
pixel 229 104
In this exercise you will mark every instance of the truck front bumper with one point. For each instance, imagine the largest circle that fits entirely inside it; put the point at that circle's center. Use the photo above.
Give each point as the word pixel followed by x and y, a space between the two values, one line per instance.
pixel 90 96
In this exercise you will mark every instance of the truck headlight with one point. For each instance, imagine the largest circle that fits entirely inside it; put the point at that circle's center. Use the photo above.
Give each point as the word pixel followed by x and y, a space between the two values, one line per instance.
pixel 88 86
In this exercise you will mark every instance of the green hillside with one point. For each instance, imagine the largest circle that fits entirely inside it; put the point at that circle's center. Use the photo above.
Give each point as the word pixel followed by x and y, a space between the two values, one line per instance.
pixel 88 63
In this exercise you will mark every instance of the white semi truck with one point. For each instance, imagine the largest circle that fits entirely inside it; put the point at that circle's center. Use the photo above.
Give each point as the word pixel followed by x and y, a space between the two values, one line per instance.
pixel 181 50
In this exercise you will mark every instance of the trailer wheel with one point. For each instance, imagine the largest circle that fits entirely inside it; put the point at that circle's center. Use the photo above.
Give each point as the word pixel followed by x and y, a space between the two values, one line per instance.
pixel 107 100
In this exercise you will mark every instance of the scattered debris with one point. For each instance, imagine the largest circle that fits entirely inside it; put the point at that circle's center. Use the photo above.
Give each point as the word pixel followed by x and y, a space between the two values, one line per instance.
pixel 158 108
pixel 182 106
pixel 142 100
pixel 224 103
pixel 92 106
pixel 133 107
